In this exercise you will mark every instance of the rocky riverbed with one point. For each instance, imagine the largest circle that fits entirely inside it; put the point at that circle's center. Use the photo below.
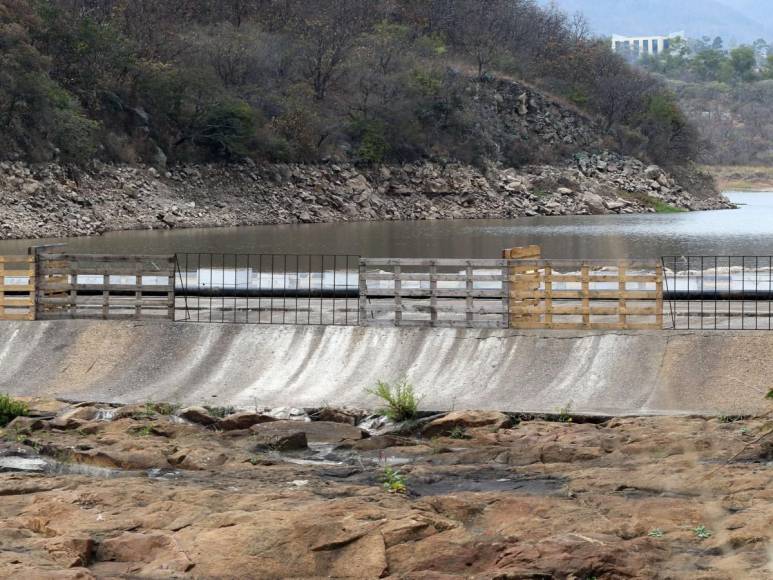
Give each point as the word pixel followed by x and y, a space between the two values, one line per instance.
pixel 149 491
pixel 55 201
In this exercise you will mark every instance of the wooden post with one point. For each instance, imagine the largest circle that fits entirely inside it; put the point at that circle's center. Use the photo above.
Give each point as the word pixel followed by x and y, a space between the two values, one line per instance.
pixel 659 295
pixel 469 304
pixel 106 296
pixel 548 296
pixel 585 277
pixel 398 298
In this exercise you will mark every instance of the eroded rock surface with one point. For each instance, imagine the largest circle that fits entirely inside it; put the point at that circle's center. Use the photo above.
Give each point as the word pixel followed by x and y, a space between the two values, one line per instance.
pixel 149 495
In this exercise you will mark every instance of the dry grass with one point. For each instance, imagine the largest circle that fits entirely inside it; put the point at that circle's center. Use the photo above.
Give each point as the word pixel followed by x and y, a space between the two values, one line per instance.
pixel 742 177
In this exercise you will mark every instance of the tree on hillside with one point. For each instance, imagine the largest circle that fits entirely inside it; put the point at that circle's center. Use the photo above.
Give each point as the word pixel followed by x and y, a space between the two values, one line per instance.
pixel 743 61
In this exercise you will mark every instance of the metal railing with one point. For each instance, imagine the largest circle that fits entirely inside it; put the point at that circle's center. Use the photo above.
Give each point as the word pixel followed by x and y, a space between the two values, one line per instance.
pixel 719 292
pixel 304 289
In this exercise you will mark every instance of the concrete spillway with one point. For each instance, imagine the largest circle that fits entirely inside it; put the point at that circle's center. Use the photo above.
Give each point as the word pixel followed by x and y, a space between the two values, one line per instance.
pixel 611 373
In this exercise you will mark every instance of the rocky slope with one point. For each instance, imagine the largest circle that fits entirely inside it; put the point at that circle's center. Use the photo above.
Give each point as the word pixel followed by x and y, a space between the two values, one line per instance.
pixel 54 201
pixel 94 492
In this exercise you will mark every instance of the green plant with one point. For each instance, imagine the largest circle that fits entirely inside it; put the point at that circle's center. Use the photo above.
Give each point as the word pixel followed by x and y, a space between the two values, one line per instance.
pixel 220 412
pixel 402 404
pixel 10 408
pixel 701 532
pixel 656 533
pixel 564 414
pixel 770 394
pixel 166 408
pixel 394 481
pixel 458 432
pixel 144 431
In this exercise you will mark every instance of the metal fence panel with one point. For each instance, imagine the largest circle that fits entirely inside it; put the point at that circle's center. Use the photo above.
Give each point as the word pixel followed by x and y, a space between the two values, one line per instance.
pixel 302 289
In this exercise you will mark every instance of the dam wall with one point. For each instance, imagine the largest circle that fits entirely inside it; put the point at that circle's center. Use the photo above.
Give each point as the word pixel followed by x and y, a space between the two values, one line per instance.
pixel 611 373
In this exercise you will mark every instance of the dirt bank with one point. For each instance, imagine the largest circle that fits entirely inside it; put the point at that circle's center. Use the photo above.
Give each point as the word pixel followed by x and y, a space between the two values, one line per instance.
pixel 55 201
pixel 141 492
pixel 742 177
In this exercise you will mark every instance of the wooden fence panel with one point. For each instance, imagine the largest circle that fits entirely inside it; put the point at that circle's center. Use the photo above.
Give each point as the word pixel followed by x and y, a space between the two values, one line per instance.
pixel 573 294
pixel 17 287
pixel 105 287
pixel 434 293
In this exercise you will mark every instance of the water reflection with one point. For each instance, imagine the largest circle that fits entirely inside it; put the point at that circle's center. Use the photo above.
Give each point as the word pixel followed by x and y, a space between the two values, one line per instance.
pixel 745 231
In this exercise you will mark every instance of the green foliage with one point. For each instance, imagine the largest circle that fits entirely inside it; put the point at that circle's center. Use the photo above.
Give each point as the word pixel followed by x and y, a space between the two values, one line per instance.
pixel 228 129
pixel 393 481
pixel 402 404
pixel 220 412
pixel 701 532
pixel 458 432
pixel 656 533
pixel 770 394
pixel 371 135
pixel 10 408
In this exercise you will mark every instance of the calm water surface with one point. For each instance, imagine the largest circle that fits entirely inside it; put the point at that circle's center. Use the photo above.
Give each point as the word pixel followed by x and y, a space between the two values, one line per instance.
pixel 744 231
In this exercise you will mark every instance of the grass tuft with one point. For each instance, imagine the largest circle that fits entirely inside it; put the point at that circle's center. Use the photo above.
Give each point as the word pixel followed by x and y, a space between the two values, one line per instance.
pixel 402 404
pixel 10 408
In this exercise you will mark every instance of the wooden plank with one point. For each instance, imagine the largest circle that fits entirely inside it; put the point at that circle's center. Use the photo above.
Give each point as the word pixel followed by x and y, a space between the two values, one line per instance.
pixel 461 308
pixel 426 293
pixel 659 299
pixel 440 323
pixel 522 252
pixel 404 262
pixel 440 276
pixel 363 297
pixel 161 258
pixel 17 259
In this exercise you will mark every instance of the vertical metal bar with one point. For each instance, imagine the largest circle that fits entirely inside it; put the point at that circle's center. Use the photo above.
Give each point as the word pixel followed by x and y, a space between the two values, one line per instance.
pixel 432 293
pixel 222 289
pixel 308 301
pixel 469 286
pixel 622 308
pixel 321 288
pixel 756 291
pixel 549 297
pixel 716 297
pixel 729 290
pixel 271 299
pixel 249 275
pixel 743 291
pixel 701 291
pixel 688 293
pixel 362 317
pixel 585 285
pixel 335 266
pixel 770 268
pixel 297 277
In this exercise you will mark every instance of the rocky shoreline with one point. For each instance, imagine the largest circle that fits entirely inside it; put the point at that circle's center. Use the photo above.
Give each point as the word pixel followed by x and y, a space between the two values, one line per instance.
pixel 54 201
pixel 152 491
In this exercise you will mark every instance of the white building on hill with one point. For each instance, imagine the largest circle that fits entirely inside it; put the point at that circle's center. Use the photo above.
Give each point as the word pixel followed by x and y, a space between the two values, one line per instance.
pixel 638 46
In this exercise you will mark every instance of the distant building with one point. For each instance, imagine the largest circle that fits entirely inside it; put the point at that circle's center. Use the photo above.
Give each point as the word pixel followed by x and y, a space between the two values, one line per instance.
pixel 638 46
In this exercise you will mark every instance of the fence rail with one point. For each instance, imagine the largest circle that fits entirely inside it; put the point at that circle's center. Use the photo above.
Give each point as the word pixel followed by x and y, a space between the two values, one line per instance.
pixel 434 293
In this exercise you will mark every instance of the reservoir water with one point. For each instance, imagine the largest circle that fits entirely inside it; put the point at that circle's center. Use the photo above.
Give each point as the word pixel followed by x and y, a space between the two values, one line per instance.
pixel 744 231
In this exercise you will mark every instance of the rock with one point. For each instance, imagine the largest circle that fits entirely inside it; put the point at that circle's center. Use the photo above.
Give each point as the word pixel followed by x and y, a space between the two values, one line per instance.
pixel 155 552
pixel 284 413
pixel 315 431
pixel 283 440
pixel 71 551
pixel 20 424
pixel 198 415
pixel 595 203
pixel 74 418
pixel 616 204
pixel 242 420
pixel 653 172
pixel 466 420
pixel 335 415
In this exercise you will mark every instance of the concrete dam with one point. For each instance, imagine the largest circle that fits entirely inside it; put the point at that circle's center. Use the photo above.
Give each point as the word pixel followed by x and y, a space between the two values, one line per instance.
pixel 611 373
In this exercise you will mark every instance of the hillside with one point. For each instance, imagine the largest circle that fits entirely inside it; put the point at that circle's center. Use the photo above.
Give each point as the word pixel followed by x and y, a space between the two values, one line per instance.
pixel 742 20
pixel 305 81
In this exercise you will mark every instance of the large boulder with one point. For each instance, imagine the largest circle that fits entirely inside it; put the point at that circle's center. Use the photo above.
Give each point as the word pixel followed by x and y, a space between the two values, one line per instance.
pixel 466 420
pixel 242 420
pixel 198 415
pixel 314 431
